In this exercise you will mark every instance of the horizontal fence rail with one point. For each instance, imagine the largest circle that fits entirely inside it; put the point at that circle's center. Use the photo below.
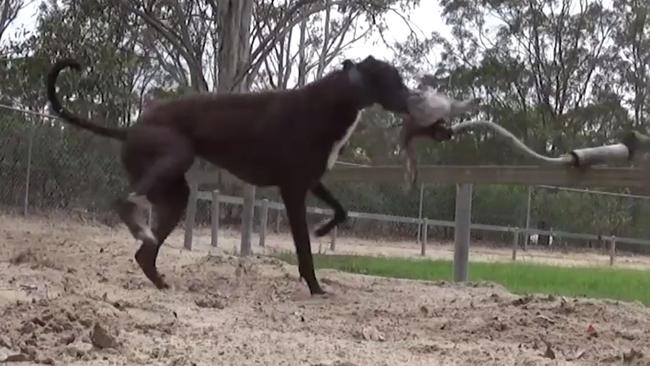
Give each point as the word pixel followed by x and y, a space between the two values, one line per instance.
pixel 234 200
pixel 485 174
pixel 475 174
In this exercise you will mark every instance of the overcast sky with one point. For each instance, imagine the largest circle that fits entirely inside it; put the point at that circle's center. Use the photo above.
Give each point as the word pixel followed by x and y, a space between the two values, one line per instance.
pixel 425 19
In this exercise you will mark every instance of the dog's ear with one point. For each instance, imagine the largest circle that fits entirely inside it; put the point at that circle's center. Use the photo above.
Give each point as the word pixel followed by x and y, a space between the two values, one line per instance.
pixel 368 63
pixel 353 72
pixel 348 64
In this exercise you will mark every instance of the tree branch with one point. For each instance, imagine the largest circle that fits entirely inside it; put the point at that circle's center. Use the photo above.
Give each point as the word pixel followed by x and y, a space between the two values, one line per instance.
pixel 177 41
pixel 288 21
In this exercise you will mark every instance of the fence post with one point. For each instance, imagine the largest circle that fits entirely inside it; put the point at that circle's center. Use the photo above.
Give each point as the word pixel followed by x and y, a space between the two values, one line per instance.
pixel 528 208
pixel 420 207
pixel 190 216
pixel 247 219
pixel 612 250
pixel 515 243
pixel 425 233
pixel 264 218
pixel 462 231
pixel 278 217
pixel 28 173
pixel 334 234
pixel 215 218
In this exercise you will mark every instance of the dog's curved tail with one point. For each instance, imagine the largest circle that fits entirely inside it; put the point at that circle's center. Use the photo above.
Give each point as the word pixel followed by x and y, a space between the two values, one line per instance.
pixel 77 120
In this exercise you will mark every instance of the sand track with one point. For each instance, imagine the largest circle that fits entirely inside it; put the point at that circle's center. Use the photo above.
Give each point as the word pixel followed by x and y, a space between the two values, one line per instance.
pixel 70 294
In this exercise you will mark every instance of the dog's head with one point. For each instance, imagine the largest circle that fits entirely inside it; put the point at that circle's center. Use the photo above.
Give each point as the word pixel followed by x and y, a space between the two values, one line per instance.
pixel 380 83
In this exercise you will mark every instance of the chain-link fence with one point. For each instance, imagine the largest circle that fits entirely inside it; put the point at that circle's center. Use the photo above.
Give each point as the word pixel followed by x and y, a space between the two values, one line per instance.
pixel 47 165
pixel 603 214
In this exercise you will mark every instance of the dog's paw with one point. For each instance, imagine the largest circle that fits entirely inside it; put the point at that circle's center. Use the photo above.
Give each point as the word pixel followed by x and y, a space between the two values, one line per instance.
pixel 162 285
pixel 324 295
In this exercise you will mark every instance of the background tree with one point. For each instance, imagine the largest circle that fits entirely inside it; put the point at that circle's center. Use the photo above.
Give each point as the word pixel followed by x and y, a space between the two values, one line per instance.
pixel 8 12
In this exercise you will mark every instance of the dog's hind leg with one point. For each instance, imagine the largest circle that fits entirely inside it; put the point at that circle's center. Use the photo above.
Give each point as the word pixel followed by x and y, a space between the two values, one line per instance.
pixel 153 155
pixel 156 160
pixel 128 213
pixel 169 200
pixel 294 199
pixel 340 214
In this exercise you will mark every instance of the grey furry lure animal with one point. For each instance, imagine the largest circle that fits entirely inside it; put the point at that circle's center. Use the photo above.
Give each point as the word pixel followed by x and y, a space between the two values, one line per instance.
pixel 429 111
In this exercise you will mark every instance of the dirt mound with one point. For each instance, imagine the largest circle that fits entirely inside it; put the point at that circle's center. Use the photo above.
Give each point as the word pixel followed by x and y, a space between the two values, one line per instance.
pixel 72 295
pixel 64 328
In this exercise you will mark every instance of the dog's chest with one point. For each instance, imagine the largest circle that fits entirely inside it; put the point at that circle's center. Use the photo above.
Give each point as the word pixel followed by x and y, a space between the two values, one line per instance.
pixel 338 145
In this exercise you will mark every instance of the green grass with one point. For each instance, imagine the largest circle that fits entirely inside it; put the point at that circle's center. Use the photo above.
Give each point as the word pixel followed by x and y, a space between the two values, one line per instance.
pixel 519 278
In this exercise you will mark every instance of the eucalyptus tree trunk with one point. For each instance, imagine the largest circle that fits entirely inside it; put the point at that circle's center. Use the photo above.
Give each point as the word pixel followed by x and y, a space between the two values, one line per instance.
pixel 234 19
pixel 326 39
pixel 302 58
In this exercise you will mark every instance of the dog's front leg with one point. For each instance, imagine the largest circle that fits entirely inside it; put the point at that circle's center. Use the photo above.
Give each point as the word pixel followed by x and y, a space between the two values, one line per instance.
pixel 294 197
pixel 340 214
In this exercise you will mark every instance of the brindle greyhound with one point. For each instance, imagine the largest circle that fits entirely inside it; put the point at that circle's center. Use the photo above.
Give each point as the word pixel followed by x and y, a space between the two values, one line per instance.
pixel 286 138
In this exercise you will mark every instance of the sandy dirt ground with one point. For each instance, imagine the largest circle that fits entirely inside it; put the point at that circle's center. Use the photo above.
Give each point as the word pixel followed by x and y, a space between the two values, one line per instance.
pixel 70 294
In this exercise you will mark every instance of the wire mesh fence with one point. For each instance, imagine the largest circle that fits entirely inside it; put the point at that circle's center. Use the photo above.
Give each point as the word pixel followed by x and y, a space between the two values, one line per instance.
pixel 392 215
pixel 47 165
pixel 603 214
